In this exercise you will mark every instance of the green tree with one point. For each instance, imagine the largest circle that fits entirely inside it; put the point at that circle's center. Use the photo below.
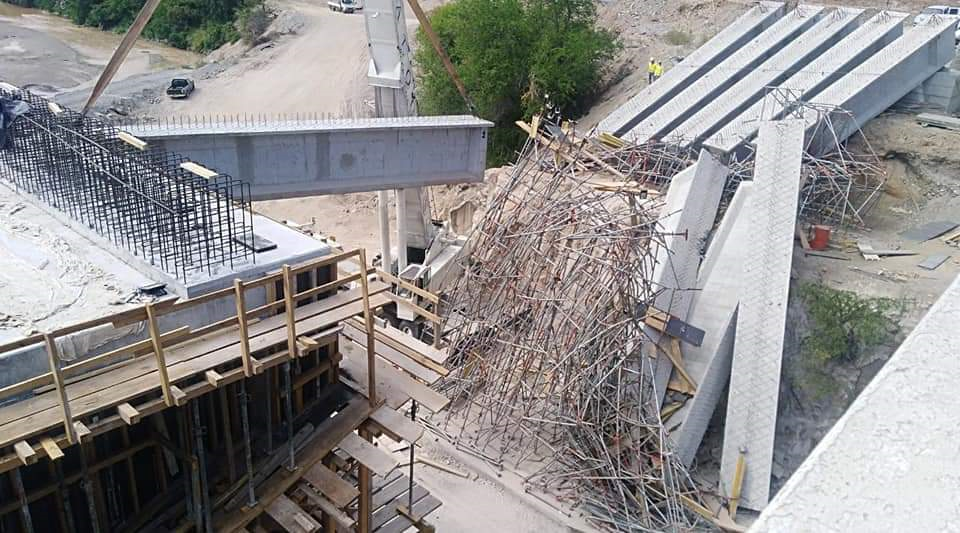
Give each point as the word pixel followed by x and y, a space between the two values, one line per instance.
pixel 514 57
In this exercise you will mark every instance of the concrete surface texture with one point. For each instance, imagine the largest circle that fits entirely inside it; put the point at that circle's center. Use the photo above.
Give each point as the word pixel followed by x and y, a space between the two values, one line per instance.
pixel 693 66
pixel 890 462
pixel 835 24
pixel 882 29
pixel 713 309
pixel 314 157
pixel 690 207
pixel 939 94
pixel 758 345
pixel 879 82
pixel 715 82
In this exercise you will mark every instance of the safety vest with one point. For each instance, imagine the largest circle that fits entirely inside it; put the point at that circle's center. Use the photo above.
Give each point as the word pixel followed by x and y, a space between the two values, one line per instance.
pixel 658 70
pixel 652 68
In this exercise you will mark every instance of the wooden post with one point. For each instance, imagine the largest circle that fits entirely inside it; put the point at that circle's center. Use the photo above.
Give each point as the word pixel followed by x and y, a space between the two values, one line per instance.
pixel 227 433
pixel 288 288
pixel 131 474
pixel 158 352
pixel 53 355
pixel 368 322
pixel 241 300
pixel 365 505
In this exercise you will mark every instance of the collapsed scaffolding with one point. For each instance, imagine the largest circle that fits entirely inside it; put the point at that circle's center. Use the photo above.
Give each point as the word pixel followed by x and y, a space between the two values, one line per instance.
pixel 546 357
pixel 145 200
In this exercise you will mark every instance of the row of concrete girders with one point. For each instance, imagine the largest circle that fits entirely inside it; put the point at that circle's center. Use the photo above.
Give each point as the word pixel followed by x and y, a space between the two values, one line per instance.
pixel 826 55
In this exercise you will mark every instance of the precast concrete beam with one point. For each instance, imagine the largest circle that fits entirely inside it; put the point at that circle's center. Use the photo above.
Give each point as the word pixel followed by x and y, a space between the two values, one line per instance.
pixel 714 310
pixel 695 65
pixel 879 31
pixel 309 158
pixel 890 462
pixel 835 24
pixel 761 319
pixel 690 207
pixel 879 82
pixel 714 83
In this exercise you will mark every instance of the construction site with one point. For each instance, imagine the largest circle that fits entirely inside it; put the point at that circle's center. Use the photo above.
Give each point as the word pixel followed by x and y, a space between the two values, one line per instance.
pixel 336 317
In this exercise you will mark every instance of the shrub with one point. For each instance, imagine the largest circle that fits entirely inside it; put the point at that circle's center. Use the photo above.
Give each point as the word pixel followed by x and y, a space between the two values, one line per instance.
pixel 253 21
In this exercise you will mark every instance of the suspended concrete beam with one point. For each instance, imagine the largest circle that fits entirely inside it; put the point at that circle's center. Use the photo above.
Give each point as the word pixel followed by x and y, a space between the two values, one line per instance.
pixel 835 24
pixel 890 462
pixel 881 30
pixel 714 83
pixel 714 310
pixel 690 207
pixel 695 65
pixel 879 82
pixel 308 158
pixel 761 319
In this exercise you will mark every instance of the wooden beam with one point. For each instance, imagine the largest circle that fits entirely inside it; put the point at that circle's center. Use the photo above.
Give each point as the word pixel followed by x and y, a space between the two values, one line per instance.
pixel 132 140
pixel 737 486
pixel 179 397
pixel 199 170
pixel 288 284
pixel 53 356
pixel 82 431
pixel 25 452
pixel 213 377
pixel 371 340
pixel 240 298
pixel 328 507
pixel 158 353
pixel 50 446
pixel 128 413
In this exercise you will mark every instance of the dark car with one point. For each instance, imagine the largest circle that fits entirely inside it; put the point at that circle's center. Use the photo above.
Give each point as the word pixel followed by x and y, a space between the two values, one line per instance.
pixel 180 88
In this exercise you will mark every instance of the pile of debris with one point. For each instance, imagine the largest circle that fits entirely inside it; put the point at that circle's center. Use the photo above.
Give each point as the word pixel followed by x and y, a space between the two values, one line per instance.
pixel 548 323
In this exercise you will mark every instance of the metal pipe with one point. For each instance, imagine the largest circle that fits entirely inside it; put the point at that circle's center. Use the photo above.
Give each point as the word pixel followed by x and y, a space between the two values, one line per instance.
pixel 22 496
pixel 401 230
pixel 247 449
pixel 288 404
pixel 383 211
pixel 202 465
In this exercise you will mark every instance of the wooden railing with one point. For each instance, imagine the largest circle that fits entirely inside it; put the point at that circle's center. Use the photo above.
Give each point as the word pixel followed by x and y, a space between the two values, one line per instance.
pixel 158 342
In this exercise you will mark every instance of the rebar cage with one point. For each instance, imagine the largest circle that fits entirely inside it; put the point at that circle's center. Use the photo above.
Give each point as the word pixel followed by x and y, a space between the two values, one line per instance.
pixel 141 200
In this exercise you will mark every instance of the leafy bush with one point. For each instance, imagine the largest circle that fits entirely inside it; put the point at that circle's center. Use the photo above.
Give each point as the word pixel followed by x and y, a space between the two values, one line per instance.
pixel 844 324
pixel 515 57
pixel 253 21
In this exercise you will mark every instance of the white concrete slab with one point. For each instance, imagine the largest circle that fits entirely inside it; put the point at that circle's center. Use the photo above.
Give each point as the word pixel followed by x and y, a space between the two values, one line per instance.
pixel 758 343
pixel 890 462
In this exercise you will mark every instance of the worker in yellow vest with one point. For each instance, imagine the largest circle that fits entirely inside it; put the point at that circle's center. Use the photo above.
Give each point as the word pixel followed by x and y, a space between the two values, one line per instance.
pixel 657 70
pixel 651 71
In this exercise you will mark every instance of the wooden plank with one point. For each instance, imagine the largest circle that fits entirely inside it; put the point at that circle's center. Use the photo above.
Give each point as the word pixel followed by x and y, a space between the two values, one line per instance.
pixel 132 140
pixel 240 299
pixel 22 343
pixel 289 307
pixel 291 517
pixel 413 307
pixel 199 170
pixel 390 278
pixel 53 356
pixel 421 508
pixel 389 510
pixel 326 437
pixel 213 377
pixel 82 431
pixel 395 386
pixel 50 446
pixel 32 416
pixel 327 507
pixel 179 396
pixel 399 359
pixel 25 452
pixel 145 345
pixel 371 352
pixel 334 487
pixel 128 413
pixel 376 459
pixel 400 338
pixel 158 354
pixel 397 426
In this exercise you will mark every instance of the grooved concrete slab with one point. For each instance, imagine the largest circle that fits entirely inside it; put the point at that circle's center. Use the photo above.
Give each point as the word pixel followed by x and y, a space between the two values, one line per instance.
pixel 718 80
pixel 695 65
pixel 690 206
pixel 314 157
pixel 714 308
pixel 880 81
pixel 890 462
pixel 835 24
pixel 882 29
pixel 758 344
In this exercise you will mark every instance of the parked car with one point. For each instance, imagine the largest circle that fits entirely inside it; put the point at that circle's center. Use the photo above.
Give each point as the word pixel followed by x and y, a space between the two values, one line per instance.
pixel 180 88
pixel 345 6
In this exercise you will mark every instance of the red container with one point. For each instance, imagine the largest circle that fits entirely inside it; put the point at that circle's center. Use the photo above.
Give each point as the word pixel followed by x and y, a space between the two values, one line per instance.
pixel 821 237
